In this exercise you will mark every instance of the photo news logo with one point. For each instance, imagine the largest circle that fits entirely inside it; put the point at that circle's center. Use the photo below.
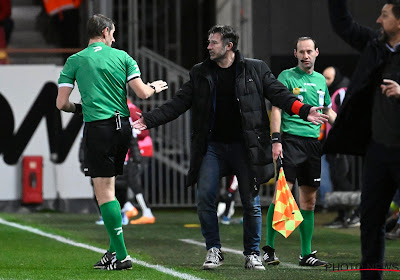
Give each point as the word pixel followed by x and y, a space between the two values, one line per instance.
pixel 342 267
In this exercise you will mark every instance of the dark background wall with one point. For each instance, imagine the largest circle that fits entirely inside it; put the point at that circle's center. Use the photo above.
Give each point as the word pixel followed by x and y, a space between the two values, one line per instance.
pixel 197 18
pixel 277 25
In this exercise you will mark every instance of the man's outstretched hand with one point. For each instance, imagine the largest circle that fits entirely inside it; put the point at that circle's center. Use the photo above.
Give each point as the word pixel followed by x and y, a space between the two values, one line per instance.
pixel 316 117
pixel 139 124
pixel 390 88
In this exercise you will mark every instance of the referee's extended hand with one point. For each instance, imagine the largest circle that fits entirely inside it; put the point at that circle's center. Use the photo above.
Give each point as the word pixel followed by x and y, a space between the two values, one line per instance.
pixel 316 117
pixel 158 86
pixel 139 124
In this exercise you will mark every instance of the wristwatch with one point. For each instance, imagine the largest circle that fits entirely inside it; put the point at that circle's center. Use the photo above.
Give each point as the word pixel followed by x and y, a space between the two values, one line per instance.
pixel 153 87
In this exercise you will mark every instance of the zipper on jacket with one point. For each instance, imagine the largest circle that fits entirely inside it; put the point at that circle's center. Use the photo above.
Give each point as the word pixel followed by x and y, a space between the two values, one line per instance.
pixel 241 118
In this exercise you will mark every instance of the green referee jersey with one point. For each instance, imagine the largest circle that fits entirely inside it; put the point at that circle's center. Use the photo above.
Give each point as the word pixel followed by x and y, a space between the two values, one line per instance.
pixel 101 73
pixel 310 89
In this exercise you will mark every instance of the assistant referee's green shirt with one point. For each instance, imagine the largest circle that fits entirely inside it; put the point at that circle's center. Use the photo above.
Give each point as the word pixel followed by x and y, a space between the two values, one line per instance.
pixel 101 73
pixel 310 89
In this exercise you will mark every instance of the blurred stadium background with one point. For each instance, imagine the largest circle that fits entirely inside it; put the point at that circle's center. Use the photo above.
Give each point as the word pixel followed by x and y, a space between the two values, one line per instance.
pixel 166 38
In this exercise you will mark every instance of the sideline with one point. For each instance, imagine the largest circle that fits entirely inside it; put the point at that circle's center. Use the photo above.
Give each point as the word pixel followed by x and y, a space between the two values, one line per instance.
pixel 98 250
pixel 237 252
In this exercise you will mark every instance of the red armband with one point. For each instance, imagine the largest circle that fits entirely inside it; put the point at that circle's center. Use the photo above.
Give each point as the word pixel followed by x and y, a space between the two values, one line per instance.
pixel 296 107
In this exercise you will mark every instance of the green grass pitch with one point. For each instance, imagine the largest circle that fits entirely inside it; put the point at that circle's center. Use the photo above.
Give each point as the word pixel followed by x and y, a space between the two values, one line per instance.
pixel 25 255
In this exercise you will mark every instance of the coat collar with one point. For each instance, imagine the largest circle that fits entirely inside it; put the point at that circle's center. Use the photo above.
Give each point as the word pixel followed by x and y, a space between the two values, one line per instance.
pixel 208 66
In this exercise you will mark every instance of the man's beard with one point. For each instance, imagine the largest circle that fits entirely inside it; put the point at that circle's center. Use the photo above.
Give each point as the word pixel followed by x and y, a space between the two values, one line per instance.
pixel 219 57
pixel 383 36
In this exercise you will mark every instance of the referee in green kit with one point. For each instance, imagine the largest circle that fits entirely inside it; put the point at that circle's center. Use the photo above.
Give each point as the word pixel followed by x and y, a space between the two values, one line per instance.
pixel 299 148
pixel 101 73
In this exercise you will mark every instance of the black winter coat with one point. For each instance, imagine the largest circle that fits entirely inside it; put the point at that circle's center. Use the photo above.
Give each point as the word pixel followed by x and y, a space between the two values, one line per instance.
pixel 254 82
pixel 351 132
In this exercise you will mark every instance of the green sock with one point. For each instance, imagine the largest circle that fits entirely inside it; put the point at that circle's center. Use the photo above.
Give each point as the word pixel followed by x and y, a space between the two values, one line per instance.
pixel 271 233
pixel 306 231
pixel 111 249
pixel 111 213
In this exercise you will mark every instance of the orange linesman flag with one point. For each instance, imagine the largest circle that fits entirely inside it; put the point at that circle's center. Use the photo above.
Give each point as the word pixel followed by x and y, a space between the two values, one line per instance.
pixel 287 215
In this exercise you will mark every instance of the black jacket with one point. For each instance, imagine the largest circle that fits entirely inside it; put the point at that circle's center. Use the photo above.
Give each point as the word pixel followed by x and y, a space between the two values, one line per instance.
pixel 254 82
pixel 351 132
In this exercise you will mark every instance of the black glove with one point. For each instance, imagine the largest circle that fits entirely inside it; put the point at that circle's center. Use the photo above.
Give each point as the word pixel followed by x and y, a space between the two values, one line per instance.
pixel 78 108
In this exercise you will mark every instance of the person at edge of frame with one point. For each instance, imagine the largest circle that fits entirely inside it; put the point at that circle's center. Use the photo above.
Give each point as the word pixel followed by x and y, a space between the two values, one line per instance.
pixel 368 123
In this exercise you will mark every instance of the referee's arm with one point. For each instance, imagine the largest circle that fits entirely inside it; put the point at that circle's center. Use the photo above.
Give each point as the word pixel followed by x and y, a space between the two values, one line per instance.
pixel 63 102
pixel 143 90
pixel 331 115
pixel 276 121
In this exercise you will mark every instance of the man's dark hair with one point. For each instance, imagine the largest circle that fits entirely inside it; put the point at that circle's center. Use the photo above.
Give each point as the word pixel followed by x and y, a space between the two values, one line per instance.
pixel 395 8
pixel 228 34
pixel 96 25
pixel 305 38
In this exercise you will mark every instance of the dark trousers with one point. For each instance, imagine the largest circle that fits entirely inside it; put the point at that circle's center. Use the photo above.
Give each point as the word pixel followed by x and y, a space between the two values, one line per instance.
pixel 130 179
pixel 220 160
pixel 381 178
pixel 339 169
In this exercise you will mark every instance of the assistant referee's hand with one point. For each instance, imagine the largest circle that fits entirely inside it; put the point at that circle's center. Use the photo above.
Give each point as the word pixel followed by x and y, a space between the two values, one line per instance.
pixel 277 150
pixel 78 108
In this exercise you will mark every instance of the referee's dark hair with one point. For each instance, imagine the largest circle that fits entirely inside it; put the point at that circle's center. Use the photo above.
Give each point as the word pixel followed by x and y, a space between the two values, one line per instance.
pixel 305 38
pixel 228 34
pixel 96 25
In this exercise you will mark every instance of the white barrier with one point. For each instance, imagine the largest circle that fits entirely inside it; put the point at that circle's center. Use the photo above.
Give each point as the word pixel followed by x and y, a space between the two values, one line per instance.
pixel 20 86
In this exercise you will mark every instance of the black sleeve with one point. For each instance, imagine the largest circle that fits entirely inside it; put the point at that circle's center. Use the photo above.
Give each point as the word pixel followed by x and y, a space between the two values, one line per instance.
pixel 173 108
pixel 346 28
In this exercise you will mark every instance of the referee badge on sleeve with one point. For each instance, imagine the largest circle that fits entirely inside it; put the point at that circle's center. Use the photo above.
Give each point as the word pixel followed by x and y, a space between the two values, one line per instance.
pixel 321 95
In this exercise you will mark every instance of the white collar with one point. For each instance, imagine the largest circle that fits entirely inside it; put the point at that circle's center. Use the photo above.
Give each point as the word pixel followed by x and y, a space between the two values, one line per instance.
pixel 394 48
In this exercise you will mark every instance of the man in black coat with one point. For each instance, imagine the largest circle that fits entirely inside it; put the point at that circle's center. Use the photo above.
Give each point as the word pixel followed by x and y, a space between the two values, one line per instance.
pixel 368 122
pixel 230 134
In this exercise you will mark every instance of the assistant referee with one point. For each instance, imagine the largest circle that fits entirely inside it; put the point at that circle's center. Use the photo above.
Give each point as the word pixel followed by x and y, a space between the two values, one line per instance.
pixel 299 147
